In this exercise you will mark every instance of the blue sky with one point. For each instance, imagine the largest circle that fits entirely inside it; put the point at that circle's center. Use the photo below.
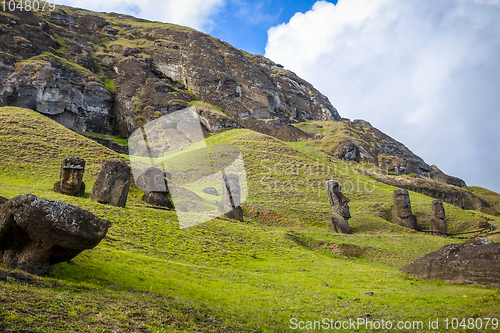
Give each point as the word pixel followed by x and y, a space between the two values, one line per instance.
pixel 244 24
pixel 425 72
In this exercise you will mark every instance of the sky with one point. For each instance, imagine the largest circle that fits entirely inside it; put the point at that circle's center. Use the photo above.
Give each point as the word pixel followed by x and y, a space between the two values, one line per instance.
pixel 425 72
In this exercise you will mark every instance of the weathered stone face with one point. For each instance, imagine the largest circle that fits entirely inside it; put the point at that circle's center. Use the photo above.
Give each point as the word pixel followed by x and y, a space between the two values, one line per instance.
pixel 112 184
pixel 438 209
pixel 231 197
pixel 438 225
pixel 338 222
pixel 155 187
pixel 474 262
pixel 337 199
pixel 403 215
pixel 36 233
pixel 70 183
pixel 402 203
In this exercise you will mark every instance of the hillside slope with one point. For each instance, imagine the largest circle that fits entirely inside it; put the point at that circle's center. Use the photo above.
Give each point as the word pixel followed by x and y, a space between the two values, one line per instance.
pixel 223 276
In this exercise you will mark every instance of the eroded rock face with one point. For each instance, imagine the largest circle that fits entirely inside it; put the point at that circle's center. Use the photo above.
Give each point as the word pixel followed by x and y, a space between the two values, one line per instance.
pixel 231 197
pixel 36 233
pixel 474 262
pixel 436 173
pixel 112 184
pixel 155 187
pixel 157 71
pixel 3 200
pixel 72 98
pixel 438 221
pixel 453 195
pixel 403 215
pixel 70 182
pixel 338 222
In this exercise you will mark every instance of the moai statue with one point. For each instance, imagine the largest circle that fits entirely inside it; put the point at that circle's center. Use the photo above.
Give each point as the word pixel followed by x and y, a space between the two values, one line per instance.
pixel 338 222
pixel 438 221
pixel 155 187
pixel 231 197
pixel 112 184
pixel 71 176
pixel 402 209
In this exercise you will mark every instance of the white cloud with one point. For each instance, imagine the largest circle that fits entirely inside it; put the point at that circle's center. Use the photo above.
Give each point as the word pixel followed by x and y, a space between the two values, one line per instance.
pixel 192 13
pixel 425 72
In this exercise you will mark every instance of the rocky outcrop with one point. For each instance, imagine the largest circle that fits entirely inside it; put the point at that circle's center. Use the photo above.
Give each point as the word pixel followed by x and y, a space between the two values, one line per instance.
pixel 211 191
pixel 474 262
pixel 441 176
pixel 112 183
pixel 91 70
pixel 36 233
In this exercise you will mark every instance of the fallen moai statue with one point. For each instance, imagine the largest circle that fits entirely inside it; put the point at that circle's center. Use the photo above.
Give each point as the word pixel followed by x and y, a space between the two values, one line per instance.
pixel 36 233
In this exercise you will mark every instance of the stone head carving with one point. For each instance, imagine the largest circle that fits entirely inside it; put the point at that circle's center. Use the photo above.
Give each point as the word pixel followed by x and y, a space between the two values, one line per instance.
pixel 338 221
pixel 231 196
pixel 402 203
pixel 112 184
pixel 155 187
pixel 70 182
pixel 438 209
pixel 153 180
pixel 337 200
pixel 403 215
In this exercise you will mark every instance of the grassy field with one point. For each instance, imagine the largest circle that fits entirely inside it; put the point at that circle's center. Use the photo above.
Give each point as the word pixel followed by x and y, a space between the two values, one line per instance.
pixel 149 275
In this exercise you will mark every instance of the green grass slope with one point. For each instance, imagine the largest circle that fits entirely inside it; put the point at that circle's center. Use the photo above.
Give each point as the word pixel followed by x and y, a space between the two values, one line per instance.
pixel 148 275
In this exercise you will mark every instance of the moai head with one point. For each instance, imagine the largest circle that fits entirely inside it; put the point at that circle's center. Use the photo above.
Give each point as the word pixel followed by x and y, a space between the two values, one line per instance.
pixel 112 184
pixel 153 180
pixel 338 201
pixel 402 203
pixel 72 169
pixel 231 197
pixel 438 209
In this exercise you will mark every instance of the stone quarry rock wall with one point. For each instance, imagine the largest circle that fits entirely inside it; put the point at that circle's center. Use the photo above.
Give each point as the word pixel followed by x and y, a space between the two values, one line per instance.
pixel 98 72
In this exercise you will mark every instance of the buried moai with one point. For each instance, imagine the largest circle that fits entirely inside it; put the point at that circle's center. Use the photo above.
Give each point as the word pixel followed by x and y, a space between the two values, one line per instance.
pixel 71 176
pixel 403 215
pixel 438 221
pixel 112 184
pixel 155 187
pixel 36 233
pixel 231 197
pixel 338 221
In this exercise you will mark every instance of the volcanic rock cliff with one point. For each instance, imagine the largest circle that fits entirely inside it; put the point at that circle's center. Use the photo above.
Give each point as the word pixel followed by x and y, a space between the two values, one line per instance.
pixel 94 72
